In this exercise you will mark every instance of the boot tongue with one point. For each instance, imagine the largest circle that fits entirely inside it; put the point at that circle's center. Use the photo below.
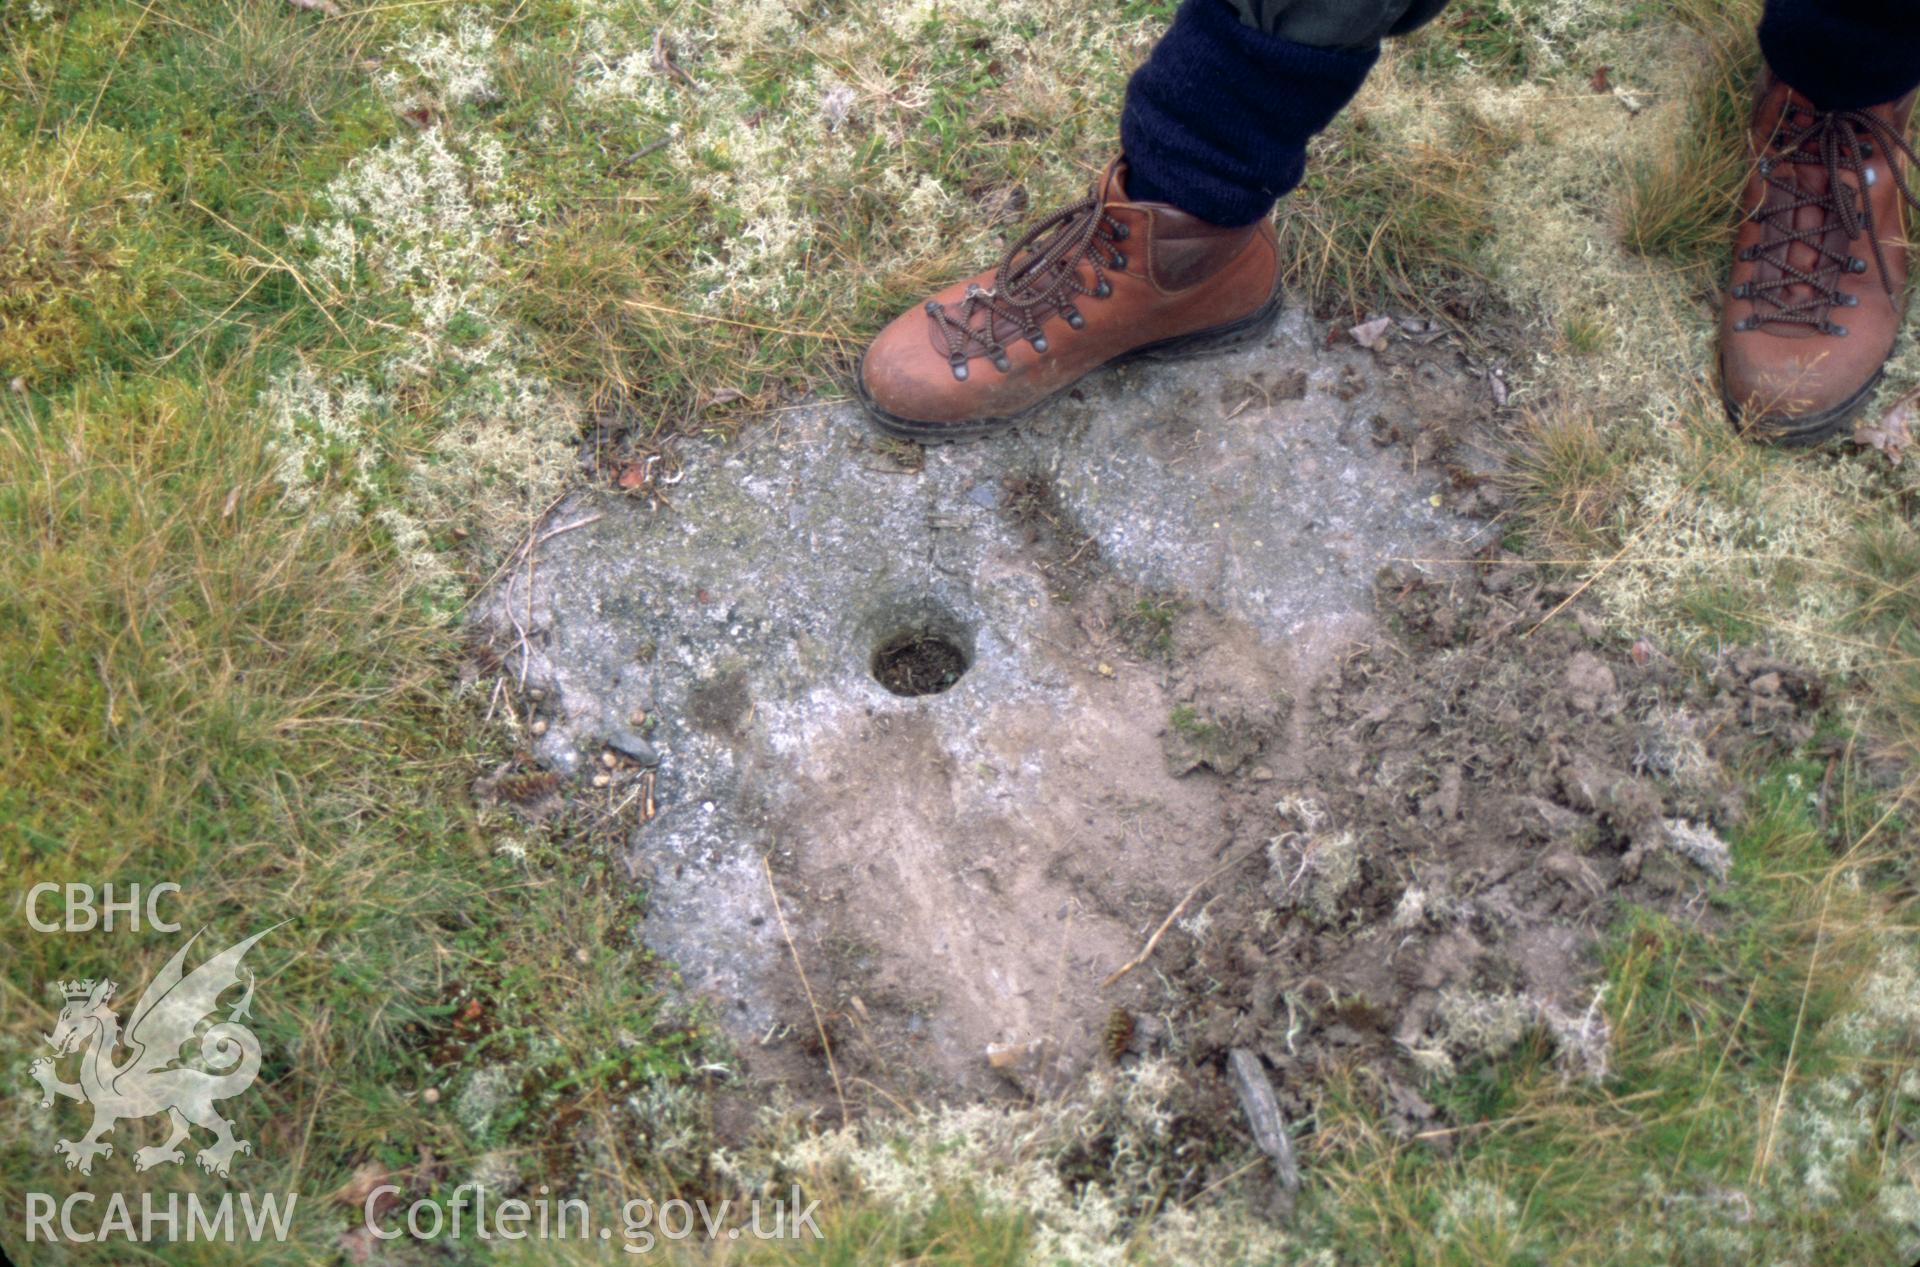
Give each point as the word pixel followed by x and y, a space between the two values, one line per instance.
pixel 1111 187
pixel 1812 180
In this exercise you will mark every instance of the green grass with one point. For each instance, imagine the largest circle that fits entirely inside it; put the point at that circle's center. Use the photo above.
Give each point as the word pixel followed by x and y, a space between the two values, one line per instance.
pixel 1679 203
pixel 1378 220
pixel 1657 1164
pixel 211 683
pixel 1146 628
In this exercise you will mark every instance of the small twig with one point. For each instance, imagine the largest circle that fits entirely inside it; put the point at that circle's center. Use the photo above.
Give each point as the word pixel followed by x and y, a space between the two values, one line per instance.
pixel 1146 952
pixel 818 1024
pixel 615 812
pixel 578 523
pixel 526 647
pixel 533 529
pixel 663 61
pixel 535 539
pixel 890 1098
pixel 651 147
pixel 1222 1182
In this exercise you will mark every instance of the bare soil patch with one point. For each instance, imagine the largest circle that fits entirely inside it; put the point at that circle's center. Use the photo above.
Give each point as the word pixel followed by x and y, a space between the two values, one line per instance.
pixel 1416 841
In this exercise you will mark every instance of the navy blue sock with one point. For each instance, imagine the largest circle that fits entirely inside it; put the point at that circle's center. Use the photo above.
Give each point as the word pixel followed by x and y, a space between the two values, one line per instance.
pixel 1217 120
pixel 1844 54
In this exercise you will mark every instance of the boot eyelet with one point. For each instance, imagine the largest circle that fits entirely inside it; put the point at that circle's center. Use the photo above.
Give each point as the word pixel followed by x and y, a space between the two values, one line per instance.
pixel 1120 259
pixel 1766 167
pixel 1074 318
pixel 959 369
pixel 1743 325
pixel 933 309
pixel 1746 253
pixel 1855 264
pixel 1102 290
pixel 1120 231
pixel 1001 363
pixel 1038 340
pixel 1838 331
pixel 1742 291
pixel 1849 301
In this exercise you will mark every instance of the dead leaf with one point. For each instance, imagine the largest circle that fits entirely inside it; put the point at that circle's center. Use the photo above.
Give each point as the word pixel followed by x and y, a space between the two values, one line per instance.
pixel 1015 1055
pixel 632 475
pixel 1893 433
pixel 232 503
pixel 366 1177
pixel 327 7
pixel 1599 82
pixel 1497 384
pixel 1372 334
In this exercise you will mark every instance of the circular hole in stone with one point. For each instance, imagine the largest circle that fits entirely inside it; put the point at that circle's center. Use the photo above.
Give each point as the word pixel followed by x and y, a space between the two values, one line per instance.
pixel 918 662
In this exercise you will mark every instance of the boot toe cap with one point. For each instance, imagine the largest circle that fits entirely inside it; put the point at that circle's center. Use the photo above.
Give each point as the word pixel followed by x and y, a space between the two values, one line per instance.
pixel 1800 393
pixel 902 376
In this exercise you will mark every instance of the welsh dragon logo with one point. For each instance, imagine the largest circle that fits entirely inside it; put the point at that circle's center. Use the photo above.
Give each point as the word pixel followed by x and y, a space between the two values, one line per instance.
pixel 151 1078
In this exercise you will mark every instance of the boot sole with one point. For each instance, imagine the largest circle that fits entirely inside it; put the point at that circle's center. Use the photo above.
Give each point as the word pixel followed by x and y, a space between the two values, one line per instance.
pixel 1212 341
pixel 1803 432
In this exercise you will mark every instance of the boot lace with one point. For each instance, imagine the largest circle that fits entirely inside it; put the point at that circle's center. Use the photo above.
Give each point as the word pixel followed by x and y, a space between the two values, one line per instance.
pixel 1039 276
pixel 1836 141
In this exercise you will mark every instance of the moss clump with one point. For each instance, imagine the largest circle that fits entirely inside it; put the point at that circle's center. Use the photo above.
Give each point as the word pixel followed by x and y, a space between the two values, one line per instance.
pixel 61 276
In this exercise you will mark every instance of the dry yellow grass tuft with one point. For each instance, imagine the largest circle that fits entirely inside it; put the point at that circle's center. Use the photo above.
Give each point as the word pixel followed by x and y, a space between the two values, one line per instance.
pixel 63 276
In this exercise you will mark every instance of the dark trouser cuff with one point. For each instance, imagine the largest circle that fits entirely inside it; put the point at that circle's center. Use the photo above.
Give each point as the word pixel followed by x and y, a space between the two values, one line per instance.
pixel 1337 23
pixel 1217 121
pixel 1844 54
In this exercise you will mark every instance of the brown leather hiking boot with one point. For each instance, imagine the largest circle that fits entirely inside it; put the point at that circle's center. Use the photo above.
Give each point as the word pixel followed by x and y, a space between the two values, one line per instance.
pixel 1093 284
pixel 1820 266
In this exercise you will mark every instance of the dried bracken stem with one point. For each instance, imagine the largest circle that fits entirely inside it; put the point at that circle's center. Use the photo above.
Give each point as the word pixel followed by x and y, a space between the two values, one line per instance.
pixel 1146 952
pixel 819 1025
pixel 643 306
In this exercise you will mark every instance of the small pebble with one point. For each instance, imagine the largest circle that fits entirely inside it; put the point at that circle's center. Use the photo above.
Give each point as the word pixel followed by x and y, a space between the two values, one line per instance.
pixel 536 694
pixel 430 1096
pixel 608 760
pixel 602 779
pixel 538 728
pixel 633 746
